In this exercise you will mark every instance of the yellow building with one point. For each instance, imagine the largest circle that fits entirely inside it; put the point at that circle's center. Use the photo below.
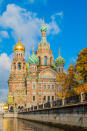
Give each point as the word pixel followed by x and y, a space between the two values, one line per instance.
pixel 34 82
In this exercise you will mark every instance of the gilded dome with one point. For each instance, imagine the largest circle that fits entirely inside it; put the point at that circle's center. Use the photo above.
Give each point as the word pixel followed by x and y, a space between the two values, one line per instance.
pixel 19 46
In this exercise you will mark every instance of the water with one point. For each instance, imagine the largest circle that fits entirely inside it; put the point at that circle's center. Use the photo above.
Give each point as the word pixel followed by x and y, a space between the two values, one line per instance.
pixel 10 124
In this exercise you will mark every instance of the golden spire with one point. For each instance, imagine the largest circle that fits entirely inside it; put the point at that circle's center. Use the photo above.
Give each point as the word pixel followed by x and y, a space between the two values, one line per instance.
pixel 43 20
pixel 33 49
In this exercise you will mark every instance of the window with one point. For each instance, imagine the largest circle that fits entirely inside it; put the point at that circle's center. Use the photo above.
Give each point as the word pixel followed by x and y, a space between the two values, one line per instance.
pixel 48 98
pixel 59 69
pixel 33 98
pixel 48 86
pixel 33 87
pixel 44 98
pixel 19 66
pixel 44 87
pixel 45 60
pixel 52 98
pixel 52 87
pixel 39 60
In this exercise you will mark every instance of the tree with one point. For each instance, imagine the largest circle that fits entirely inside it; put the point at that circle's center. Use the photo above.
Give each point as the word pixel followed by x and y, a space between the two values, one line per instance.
pixel 61 78
pixel 71 81
pixel 81 66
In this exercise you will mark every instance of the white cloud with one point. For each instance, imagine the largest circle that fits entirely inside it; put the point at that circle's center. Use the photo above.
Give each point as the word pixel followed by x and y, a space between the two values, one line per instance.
pixel 5 62
pixel 60 14
pixel 4 34
pixel 41 1
pixel 27 23
pixel 5 66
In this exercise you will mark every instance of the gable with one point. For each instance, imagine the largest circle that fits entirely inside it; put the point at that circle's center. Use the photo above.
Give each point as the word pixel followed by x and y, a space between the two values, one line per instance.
pixel 48 73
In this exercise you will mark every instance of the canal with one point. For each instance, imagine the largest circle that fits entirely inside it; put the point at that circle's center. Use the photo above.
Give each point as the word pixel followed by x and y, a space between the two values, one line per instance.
pixel 10 124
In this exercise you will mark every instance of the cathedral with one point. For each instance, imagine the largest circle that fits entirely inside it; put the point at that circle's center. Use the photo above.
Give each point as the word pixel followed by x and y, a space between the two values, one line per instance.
pixel 34 82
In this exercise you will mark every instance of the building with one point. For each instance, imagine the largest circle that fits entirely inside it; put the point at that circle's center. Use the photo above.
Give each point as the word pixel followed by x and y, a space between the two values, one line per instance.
pixel 34 82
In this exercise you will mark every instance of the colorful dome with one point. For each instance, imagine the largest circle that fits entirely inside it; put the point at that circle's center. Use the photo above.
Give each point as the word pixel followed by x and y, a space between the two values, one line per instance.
pixel 43 28
pixel 60 61
pixel 33 59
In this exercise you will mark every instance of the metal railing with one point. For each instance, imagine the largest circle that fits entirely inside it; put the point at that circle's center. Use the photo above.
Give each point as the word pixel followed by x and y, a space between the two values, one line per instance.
pixel 60 102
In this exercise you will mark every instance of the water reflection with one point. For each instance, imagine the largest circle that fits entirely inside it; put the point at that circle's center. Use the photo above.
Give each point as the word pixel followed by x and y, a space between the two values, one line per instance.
pixel 22 125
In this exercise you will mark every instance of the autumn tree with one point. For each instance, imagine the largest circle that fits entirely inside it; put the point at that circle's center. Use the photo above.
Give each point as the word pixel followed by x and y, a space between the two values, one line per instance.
pixel 81 66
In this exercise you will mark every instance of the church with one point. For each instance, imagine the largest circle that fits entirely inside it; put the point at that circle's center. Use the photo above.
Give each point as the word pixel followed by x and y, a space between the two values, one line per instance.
pixel 34 82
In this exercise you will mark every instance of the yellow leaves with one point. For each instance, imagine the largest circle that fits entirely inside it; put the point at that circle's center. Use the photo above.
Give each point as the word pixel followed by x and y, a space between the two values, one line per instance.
pixel 81 88
pixel 85 65
pixel 60 95
pixel 61 77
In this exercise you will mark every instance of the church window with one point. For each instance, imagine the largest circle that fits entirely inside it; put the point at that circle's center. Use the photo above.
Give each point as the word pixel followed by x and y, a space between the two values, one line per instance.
pixel 44 98
pixel 48 98
pixel 33 98
pixel 53 87
pixel 33 86
pixel 19 66
pixel 59 69
pixel 44 87
pixel 39 60
pixel 45 60
pixel 48 86
pixel 52 98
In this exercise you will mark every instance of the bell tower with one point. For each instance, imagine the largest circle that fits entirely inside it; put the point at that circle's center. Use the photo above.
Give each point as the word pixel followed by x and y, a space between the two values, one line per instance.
pixel 18 63
pixel 16 82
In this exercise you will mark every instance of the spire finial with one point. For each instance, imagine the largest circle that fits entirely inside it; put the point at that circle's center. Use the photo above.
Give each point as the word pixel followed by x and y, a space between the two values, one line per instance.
pixel 59 51
pixel 43 20
pixel 19 37
pixel 33 49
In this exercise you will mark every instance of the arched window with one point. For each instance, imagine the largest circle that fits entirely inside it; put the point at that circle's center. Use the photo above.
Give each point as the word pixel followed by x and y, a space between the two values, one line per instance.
pixel 45 60
pixel 39 60
pixel 19 66
pixel 59 69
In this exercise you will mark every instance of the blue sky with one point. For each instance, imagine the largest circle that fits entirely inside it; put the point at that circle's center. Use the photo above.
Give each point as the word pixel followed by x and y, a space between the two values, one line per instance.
pixel 67 29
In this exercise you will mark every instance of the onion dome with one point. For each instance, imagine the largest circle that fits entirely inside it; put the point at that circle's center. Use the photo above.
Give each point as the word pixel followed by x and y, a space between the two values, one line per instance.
pixel 43 28
pixel 19 46
pixel 60 60
pixel 33 59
